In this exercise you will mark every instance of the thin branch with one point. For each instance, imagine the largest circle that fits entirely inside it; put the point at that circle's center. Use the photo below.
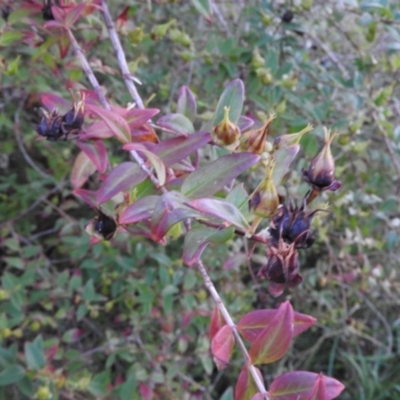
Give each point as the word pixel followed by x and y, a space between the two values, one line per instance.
pixel 128 78
pixel 96 86
pixel 228 319
pixel 88 70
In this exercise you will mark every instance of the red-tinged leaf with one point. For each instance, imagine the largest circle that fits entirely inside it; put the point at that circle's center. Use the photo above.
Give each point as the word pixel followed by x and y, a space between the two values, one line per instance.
pixel 177 123
pixel 97 152
pixel 176 149
pixel 136 117
pixel 115 122
pixel 139 210
pixel 319 390
pixel 169 210
pixel 63 44
pixel 144 133
pixel 245 387
pixel 258 396
pixel 216 323
pixel 207 180
pixel 73 14
pixel 59 14
pixel 252 323
pixel 232 97
pixel 283 158
pixel 88 196
pixel 302 322
pixel 122 18
pixel 245 123
pixel 120 179
pixel 299 385
pixel 81 171
pixel 221 209
pixel 146 392
pixel 186 103
pixel 222 346
pixel 97 130
pixel 52 101
pixel 53 25
pixel 155 161
pixel 274 340
pixel 197 239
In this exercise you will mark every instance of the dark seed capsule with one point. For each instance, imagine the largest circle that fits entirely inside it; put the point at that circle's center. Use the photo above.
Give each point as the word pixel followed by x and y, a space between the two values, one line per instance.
pixel 47 13
pixel 5 12
pixel 105 226
pixel 287 16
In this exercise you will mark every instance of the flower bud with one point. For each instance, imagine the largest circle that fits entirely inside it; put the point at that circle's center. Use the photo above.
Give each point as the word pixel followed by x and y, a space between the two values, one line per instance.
pixel 265 199
pixel 253 141
pixel 226 133
pixel 257 61
pixel 291 139
pixel 321 173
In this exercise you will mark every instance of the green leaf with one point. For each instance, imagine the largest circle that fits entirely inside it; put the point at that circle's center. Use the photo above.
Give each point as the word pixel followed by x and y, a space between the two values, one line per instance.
pixel 197 239
pixel 232 97
pixel 212 177
pixel 203 7
pixel 11 374
pixel 177 123
pixel 10 37
pixel 34 355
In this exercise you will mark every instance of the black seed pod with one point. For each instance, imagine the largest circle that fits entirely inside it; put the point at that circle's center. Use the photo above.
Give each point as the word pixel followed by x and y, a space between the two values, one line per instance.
pixel 105 226
pixel 287 16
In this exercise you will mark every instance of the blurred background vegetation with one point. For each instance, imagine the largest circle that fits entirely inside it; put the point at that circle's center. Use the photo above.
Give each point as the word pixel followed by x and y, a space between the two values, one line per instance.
pixel 81 322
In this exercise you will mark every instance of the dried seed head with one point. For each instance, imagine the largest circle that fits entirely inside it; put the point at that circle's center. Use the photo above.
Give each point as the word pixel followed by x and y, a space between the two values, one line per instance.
pixel 50 125
pixel 321 173
pixel 265 199
pixel 226 133
pixel 291 139
pixel 254 140
pixel 73 119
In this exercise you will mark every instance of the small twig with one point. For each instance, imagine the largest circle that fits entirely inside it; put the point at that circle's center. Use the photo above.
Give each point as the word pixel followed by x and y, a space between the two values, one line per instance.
pixel 221 18
pixel 120 55
pixel 228 319
pixel 88 70
pixel 331 55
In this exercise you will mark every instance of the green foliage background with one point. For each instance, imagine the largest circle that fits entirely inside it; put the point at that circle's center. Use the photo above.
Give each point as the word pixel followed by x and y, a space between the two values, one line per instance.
pixel 130 312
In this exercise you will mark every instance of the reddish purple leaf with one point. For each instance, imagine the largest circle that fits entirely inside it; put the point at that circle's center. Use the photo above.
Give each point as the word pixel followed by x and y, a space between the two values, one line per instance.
pixel 319 390
pixel 139 210
pixel 97 130
pixel 274 340
pixel 168 211
pixel 82 169
pixel 207 180
pixel 52 101
pixel 221 209
pixel 136 117
pixel 97 152
pixel 216 323
pixel 115 122
pixel 186 103
pixel 197 239
pixel 63 44
pixel 177 123
pixel 121 178
pixel 222 346
pixel 176 149
pixel 73 14
pixel 155 161
pixel 258 396
pixel 59 14
pixel 299 385
pixel 245 123
pixel 88 196
pixel 245 387
pixel 53 25
pixel 252 323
